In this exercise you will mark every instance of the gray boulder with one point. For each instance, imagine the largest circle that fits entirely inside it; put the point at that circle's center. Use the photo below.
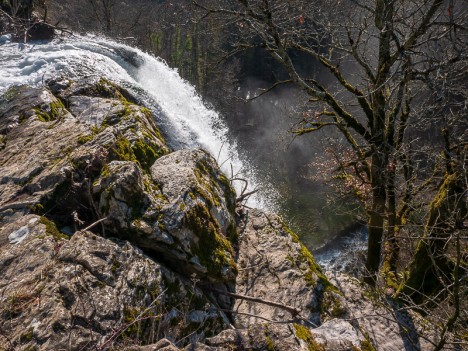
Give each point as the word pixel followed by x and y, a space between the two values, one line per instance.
pixel 88 292
pixel 182 213
pixel 275 266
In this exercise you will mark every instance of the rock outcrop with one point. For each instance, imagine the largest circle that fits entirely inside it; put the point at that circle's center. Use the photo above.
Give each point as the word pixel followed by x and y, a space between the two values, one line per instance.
pixel 274 265
pixel 110 240
pixel 75 154
pixel 86 292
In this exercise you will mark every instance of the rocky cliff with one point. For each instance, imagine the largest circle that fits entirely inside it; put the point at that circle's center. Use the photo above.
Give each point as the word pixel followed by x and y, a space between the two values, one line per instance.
pixel 110 240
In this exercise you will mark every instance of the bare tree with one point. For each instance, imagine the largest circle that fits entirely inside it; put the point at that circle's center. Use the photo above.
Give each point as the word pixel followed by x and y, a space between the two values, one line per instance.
pixel 381 59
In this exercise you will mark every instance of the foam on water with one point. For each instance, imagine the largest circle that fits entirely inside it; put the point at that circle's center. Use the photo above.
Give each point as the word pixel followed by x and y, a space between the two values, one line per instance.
pixel 191 123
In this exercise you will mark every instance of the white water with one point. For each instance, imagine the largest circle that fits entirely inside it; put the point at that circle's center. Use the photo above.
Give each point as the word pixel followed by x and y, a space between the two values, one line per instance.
pixel 179 108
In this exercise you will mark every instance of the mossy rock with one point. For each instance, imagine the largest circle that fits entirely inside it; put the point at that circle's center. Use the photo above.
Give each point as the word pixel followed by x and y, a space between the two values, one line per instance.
pixel 213 249
pixel 305 335
pixel 54 111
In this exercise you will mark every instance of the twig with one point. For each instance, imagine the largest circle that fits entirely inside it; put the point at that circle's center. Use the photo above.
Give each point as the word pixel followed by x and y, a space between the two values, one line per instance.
pixel 266 91
pixel 93 224
pixel 243 196
pixel 294 311
pixel 139 318
pixel 255 316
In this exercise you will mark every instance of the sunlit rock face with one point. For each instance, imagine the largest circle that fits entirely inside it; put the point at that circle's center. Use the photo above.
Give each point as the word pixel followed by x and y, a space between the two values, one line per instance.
pixel 69 161
pixel 88 291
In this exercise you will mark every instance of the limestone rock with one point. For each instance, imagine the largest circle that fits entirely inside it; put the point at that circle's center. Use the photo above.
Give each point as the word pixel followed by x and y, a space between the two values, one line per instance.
pixel 388 327
pixel 87 291
pixel 337 334
pixel 50 157
pixel 275 266
pixel 198 213
pixel 77 164
pixel 31 164
pixel 160 266
pixel 183 214
pixel 161 345
pixel 262 336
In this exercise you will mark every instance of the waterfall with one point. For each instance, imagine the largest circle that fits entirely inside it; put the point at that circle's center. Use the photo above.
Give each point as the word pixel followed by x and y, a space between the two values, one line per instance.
pixel 179 110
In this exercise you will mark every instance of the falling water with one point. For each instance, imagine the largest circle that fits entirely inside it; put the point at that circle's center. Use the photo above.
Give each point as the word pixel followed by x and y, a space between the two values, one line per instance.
pixel 187 121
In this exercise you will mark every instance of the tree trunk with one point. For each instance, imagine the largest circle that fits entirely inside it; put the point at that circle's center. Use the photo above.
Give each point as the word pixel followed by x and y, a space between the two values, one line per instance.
pixel 430 264
pixel 391 247
pixel 376 217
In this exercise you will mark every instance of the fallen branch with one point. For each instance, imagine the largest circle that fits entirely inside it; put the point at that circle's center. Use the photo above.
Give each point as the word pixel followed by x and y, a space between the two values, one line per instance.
pixel 244 196
pixel 255 316
pixel 93 224
pixel 294 311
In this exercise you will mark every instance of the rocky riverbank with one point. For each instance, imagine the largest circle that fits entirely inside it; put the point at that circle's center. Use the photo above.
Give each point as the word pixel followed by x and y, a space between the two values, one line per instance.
pixel 110 240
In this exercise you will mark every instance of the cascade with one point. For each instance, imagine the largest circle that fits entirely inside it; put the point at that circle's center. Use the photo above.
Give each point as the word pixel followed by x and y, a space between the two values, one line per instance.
pixel 180 112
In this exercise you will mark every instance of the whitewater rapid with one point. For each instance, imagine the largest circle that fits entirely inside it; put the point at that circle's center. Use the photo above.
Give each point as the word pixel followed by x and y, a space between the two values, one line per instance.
pixel 179 110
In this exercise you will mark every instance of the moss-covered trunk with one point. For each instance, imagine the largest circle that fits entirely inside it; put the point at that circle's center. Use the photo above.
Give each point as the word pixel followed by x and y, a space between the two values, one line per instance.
pixel 430 264
pixel 391 245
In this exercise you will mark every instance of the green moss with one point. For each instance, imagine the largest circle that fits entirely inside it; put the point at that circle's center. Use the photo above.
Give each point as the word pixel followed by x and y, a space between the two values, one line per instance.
pixel 96 130
pixel 105 88
pixel 146 112
pixel 132 329
pixel 366 344
pixel 27 336
pixel 182 206
pixel 83 139
pixel 126 111
pixel 22 118
pixel 154 132
pixel 37 209
pixel 160 221
pixel 105 172
pixel 313 274
pixel 138 319
pixel 213 249
pixel 313 269
pixel 10 94
pixel 269 342
pixel 141 152
pixel 229 193
pixel 51 229
pixel 42 116
pixel 146 153
pixel 208 192
pixel 115 265
pixel 212 181
pixel 56 111
pixel 123 150
pixel 331 305
pixel 304 334
pixel 15 304
pixel 232 234
pixel 2 142
pixel 389 276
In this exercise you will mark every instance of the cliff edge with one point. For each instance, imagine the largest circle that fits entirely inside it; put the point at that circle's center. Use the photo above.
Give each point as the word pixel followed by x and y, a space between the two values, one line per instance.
pixel 110 240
